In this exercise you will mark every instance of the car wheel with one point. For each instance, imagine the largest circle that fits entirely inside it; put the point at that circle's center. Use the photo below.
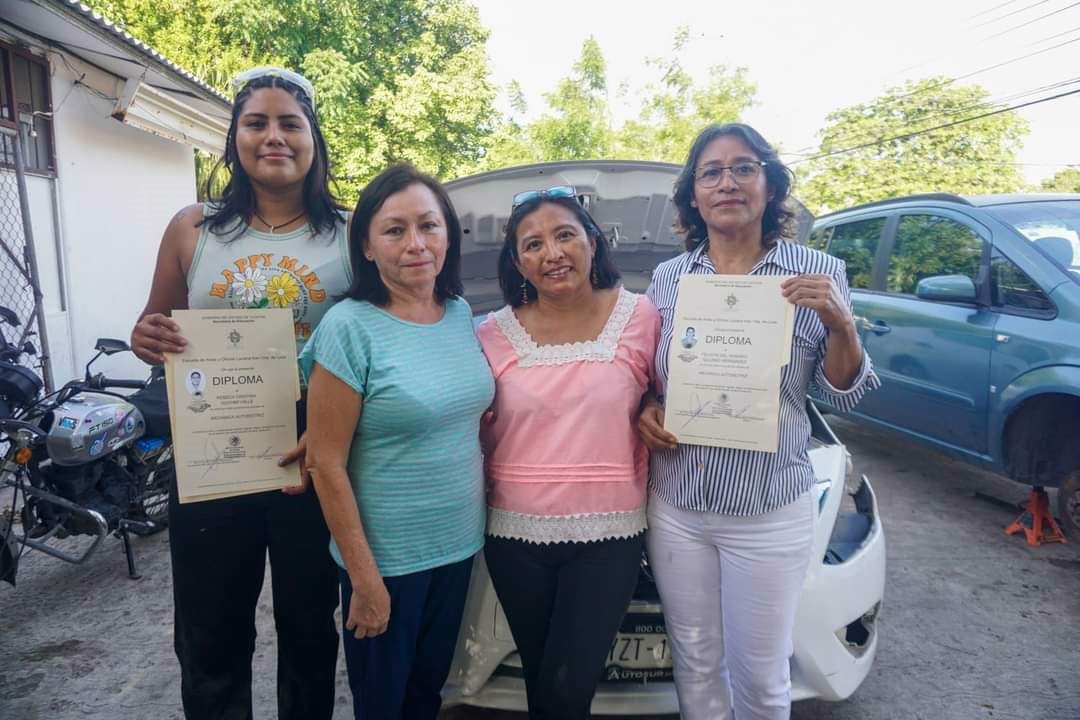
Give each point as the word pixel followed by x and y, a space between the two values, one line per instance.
pixel 1069 505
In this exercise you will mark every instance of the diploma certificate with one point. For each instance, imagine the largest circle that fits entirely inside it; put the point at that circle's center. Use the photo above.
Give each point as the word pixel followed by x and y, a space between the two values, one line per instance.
pixel 232 402
pixel 731 336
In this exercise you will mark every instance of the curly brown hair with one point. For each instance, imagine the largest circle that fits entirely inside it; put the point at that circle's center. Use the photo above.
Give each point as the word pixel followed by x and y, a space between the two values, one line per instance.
pixel 778 220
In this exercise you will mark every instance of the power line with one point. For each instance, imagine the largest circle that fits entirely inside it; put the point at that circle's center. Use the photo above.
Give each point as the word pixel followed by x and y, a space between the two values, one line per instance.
pixel 951 112
pixel 1063 32
pixel 990 10
pixel 964 47
pixel 1014 12
pixel 950 81
pixel 1024 93
pixel 973 73
pixel 909 135
pixel 1029 22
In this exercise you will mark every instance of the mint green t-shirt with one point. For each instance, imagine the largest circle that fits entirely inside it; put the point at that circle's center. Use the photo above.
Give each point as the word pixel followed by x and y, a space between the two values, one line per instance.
pixel 415 461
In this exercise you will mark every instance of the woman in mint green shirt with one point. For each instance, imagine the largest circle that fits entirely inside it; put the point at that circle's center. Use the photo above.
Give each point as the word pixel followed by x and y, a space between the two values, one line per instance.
pixel 397 384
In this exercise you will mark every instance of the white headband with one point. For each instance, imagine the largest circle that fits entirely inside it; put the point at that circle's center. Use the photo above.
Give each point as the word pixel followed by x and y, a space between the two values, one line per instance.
pixel 241 80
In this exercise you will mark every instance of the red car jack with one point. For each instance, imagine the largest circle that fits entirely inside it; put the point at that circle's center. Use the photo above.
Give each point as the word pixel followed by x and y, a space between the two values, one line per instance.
pixel 1036 521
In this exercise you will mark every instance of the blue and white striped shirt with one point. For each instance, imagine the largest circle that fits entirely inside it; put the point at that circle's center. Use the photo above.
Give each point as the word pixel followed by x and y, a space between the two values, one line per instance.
pixel 749 482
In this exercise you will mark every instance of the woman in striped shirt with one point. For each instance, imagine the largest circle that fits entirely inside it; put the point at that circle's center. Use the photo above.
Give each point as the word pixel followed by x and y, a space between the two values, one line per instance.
pixel 730 531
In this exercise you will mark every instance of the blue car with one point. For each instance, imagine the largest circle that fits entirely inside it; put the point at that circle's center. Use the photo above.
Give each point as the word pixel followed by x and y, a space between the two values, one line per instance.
pixel 970 309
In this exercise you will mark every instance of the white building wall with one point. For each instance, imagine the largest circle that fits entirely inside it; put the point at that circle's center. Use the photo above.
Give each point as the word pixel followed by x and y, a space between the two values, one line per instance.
pixel 117 189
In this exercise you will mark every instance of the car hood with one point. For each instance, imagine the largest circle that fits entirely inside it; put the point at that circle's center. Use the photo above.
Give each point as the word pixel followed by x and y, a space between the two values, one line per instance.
pixel 630 201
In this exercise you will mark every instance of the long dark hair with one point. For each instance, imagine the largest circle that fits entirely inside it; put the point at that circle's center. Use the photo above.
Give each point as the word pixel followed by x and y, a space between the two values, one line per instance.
pixel 778 221
pixel 510 278
pixel 366 284
pixel 236 204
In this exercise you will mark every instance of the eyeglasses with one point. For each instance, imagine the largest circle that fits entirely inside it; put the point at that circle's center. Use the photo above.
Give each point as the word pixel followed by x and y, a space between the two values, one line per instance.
pixel 710 175
pixel 559 191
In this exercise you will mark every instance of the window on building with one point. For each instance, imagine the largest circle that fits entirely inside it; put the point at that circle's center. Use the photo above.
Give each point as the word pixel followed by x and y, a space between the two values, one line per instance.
pixel 856 244
pixel 26 106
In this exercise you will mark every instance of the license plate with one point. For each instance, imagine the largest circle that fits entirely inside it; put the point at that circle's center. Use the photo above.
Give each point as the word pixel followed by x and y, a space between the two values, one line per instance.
pixel 640 652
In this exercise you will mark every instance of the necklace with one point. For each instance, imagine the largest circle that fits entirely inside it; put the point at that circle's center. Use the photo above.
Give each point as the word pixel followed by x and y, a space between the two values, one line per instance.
pixel 279 225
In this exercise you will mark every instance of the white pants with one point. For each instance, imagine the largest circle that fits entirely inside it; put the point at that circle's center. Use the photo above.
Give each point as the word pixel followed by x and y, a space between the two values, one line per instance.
pixel 729 588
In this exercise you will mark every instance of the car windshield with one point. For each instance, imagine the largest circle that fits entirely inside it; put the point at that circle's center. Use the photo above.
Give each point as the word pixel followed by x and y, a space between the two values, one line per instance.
pixel 1053 226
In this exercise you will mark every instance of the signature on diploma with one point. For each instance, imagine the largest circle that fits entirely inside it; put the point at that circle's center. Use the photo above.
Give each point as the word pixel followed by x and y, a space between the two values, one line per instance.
pixel 720 407
pixel 212 455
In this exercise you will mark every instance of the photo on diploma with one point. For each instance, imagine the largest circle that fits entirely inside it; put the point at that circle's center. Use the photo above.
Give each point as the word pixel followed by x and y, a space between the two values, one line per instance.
pixel 196 384
pixel 689 338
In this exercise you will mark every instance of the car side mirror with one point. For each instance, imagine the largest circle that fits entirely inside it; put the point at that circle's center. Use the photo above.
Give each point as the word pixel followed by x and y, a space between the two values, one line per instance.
pixel 111 346
pixel 947 288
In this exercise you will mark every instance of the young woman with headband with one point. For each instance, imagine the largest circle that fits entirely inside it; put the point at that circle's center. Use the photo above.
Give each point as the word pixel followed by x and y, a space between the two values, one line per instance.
pixel 275 237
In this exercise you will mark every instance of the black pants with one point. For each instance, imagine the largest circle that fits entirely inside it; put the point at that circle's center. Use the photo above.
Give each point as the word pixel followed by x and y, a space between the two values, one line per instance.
pixel 219 550
pixel 399 674
pixel 564 603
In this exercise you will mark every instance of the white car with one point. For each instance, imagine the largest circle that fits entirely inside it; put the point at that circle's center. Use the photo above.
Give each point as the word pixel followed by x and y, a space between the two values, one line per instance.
pixel 835 637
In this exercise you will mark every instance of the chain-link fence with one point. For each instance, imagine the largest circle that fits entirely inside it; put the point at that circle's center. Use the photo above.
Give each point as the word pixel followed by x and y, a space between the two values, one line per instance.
pixel 20 291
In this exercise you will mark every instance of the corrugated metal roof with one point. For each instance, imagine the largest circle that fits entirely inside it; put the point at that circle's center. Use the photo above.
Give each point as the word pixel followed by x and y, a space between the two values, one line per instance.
pixel 133 42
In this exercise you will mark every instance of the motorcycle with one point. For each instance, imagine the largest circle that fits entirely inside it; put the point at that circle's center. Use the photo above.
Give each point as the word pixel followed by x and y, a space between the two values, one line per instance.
pixel 85 460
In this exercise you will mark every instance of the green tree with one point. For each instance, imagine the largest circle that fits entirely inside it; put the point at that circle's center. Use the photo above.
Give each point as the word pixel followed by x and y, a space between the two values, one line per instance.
pixel 579 128
pixel 203 36
pixel 394 79
pixel 674 109
pixel 509 144
pixel 575 128
pixel 1067 180
pixel 970 157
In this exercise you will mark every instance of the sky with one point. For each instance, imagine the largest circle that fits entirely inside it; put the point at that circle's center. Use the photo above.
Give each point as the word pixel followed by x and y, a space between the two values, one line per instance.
pixel 812 57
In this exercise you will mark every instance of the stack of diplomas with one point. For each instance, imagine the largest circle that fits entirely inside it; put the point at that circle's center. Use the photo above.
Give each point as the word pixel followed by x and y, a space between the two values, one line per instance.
pixel 232 402
pixel 730 338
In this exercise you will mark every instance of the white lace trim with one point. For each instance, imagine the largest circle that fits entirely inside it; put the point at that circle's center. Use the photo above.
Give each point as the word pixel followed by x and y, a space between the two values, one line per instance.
pixel 602 349
pixel 586 527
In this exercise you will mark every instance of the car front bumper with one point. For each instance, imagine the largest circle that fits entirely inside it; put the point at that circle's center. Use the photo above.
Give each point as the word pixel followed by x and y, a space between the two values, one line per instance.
pixel 835 638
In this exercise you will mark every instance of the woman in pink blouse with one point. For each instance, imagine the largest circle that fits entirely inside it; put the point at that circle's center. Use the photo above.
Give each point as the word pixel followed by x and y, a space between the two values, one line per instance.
pixel 572 354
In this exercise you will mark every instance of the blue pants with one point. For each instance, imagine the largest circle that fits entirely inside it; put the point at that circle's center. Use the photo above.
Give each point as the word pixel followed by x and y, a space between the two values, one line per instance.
pixel 399 675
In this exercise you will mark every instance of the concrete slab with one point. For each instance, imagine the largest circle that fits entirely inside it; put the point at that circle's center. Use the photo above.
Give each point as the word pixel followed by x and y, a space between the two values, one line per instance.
pixel 976 625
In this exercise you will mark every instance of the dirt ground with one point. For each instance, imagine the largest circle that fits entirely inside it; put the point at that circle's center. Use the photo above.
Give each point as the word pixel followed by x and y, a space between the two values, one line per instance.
pixel 975 625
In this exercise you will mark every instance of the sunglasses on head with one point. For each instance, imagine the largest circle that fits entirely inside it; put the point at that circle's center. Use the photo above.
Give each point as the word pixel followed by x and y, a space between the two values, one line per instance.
pixel 559 191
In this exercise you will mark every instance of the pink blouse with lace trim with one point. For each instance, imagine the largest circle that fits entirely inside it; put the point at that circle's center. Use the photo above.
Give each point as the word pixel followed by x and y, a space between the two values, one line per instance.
pixel 564 462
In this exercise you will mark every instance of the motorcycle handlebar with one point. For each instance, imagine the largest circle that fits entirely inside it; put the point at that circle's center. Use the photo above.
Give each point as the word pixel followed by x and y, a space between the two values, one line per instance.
pixel 100 382
pixel 110 382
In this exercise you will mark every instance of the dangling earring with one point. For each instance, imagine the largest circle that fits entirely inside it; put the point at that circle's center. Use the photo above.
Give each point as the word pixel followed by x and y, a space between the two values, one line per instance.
pixel 593 276
pixel 524 292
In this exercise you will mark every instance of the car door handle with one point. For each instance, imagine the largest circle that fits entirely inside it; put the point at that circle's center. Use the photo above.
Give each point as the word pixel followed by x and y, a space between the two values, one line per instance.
pixel 878 327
